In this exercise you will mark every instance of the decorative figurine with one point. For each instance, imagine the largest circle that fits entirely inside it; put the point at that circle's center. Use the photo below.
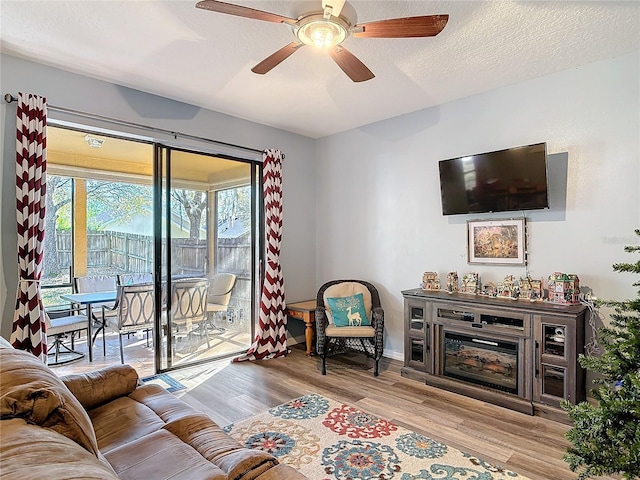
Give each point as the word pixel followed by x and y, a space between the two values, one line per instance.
pixel 531 289
pixel 452 282
pixel 558 335
pixel 564 288
pixel 470 283
pixel 489 289
pixel 430 281
pixel 508 288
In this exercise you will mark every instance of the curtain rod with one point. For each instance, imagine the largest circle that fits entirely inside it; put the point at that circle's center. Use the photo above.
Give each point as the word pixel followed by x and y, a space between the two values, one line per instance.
pixel 10 99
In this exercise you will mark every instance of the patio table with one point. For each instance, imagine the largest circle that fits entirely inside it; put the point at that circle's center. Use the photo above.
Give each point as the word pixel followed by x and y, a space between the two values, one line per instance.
pixel 88 299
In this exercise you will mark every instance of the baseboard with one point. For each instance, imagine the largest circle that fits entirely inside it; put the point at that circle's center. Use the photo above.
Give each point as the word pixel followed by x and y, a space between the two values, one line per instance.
pixel 393 355
pixel 296 340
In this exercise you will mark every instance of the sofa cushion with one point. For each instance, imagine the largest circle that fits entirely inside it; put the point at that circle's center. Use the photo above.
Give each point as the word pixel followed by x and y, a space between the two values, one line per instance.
pixel 101 386
pixel 122 421
pixel 30 390
pixel 151 420
pixel 30 451
pixel 161 455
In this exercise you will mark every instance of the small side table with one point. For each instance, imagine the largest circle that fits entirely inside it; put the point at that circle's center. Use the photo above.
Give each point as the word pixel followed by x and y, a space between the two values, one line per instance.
pixel 305 311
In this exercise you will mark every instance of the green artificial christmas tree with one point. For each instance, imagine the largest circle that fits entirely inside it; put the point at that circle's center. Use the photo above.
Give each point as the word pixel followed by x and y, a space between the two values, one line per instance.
pixel 606 436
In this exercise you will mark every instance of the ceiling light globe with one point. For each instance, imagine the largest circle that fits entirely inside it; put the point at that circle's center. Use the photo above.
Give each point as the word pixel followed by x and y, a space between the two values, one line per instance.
pixel 319 32
pixel 322 37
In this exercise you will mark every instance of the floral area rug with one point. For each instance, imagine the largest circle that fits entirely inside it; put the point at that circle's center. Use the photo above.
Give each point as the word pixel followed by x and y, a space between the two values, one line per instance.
pixel 325 439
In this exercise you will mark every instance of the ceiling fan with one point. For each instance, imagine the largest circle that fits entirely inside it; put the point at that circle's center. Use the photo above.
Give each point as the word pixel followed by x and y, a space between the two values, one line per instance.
pixel 328 28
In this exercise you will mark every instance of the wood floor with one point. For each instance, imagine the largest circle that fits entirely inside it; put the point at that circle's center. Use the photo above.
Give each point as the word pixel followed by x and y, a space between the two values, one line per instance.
pixel 140 354
pixel 228 392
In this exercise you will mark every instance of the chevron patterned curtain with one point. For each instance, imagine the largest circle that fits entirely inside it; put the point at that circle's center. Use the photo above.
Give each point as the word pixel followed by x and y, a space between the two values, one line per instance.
pixel 271 339
pixel 29 331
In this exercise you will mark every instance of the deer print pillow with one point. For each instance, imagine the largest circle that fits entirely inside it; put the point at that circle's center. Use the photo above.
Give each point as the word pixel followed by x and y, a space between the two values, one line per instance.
pixel 348 311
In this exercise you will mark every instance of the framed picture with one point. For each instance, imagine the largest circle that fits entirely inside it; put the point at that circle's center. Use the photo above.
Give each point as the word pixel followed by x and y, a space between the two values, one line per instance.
pixel 496 242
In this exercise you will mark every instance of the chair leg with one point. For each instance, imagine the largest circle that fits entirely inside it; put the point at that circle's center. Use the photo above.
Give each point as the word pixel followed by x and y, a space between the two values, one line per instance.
pixel 211 317
pixel 121 349
pixel 206 334
pixel 56 349
pixel 104 343
pixel 375 369
pixel 324 365
pixel 58 340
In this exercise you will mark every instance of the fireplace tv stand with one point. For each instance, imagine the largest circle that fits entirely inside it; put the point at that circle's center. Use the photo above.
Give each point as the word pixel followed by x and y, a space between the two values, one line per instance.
pixel 515 353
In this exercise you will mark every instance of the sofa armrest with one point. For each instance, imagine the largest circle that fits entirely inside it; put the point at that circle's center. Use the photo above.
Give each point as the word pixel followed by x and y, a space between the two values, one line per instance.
pixel 101 386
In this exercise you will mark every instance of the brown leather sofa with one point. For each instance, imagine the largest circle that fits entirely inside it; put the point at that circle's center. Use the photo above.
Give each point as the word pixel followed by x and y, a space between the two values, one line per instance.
pixel 105 425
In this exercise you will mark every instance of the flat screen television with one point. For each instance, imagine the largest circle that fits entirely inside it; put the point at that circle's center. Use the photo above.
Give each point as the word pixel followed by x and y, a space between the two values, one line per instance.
pixel 501 181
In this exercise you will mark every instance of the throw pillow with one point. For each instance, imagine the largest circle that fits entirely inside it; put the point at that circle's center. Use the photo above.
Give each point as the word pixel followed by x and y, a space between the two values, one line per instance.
pixel 348 311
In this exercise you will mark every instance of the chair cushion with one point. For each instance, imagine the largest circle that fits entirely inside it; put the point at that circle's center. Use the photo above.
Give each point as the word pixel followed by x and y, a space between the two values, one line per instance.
pixel 70 323
pixel 98 283
pixel 348 311
pixel 220 289
pixel 346 289
pixel 333 331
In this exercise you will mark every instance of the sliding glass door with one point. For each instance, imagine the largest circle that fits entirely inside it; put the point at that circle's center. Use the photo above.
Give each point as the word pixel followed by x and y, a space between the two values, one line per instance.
pixel 135 211
pixel 206 255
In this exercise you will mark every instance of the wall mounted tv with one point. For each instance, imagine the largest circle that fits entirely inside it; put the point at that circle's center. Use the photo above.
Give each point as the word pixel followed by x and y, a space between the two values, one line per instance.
pixel 506 180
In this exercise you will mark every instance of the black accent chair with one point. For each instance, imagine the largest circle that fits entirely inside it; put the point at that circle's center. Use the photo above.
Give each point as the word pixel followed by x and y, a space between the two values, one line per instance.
pixel 333 340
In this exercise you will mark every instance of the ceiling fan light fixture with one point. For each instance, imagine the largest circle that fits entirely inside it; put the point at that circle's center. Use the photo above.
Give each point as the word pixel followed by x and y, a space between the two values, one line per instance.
pixel 317 31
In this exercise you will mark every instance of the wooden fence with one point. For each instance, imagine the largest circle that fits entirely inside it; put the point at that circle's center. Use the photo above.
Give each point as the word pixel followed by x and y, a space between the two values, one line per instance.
pixel 130 252
pixel 117 252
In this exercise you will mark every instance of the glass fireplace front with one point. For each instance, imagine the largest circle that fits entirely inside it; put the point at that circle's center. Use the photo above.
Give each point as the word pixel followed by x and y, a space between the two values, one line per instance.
pixel 483 361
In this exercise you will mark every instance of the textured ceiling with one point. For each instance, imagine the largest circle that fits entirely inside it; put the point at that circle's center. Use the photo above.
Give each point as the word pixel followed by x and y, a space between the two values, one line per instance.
pixel 172 49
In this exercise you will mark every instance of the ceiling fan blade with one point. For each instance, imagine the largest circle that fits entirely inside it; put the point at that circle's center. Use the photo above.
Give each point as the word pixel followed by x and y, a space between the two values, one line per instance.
pixel 424 26
pixel 276 58
pixel 349 63
pixel 246 12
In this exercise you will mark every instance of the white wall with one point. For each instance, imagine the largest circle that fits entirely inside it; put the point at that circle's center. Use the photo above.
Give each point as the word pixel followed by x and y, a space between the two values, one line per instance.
pixel 375 190
pixel 71 91
pixel 387 173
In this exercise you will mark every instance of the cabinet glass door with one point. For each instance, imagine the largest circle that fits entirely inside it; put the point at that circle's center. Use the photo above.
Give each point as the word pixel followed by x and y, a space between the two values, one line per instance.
pixel 416 318
pixel 459 315
pixel 417 350
pixel 554 381
pixel 553 341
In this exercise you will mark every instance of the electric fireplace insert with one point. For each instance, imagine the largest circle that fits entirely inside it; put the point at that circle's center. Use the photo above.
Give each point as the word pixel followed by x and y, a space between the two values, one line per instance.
pixel 483 361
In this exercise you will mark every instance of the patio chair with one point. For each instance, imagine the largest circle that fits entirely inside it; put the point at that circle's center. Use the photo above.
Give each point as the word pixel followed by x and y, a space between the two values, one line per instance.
pixel 91 284
pixel 349 317
pixel 189 306
pixel 219 296
pixel 64 325
pixel 134 278
pixel 132 312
